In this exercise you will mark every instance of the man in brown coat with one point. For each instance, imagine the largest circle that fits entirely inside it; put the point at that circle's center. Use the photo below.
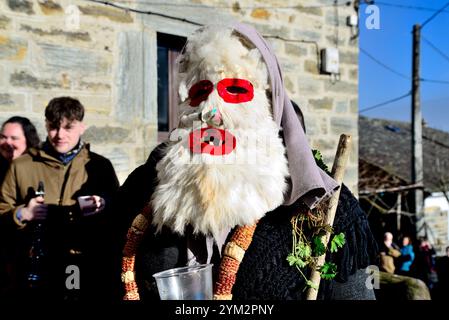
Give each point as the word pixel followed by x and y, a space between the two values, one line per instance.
pixel 388 253
pixel 60 240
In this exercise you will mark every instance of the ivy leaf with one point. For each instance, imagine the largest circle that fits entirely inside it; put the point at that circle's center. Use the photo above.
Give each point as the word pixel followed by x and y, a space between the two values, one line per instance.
pixel 338 241
pixel 303 251
pixel 291 259
pixel 327 276
pixel 317 154
pixel 295 261
pixel 319 248
pixel 319 160
pixel 301 264
pixel 328 270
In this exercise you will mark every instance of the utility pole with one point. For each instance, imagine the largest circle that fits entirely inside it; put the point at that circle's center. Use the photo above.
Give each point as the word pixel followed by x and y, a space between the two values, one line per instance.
pixel 417 154
pixel 398 213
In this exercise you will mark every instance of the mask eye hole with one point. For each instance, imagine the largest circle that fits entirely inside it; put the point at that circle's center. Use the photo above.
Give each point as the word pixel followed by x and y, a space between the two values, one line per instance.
pixel 199 92
pixel 236 90
pixel 233 90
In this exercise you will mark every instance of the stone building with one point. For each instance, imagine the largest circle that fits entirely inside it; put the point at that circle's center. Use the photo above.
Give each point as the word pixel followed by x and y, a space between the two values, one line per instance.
pixel 385 183
pixel 436 209
pixel 119 64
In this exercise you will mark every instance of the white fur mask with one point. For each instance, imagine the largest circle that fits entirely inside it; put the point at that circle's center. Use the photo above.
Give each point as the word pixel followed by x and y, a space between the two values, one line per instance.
pixel 244 176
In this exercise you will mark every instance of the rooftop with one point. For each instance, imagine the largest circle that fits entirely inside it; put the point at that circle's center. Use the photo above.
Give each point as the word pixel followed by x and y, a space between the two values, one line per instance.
pixel 385 153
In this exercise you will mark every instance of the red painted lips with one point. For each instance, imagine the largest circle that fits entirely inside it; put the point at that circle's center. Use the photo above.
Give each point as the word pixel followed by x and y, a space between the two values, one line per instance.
pixel 211 141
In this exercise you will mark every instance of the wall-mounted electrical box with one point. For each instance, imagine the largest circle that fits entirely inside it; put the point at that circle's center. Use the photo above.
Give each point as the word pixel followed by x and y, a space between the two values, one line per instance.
pixel 330 62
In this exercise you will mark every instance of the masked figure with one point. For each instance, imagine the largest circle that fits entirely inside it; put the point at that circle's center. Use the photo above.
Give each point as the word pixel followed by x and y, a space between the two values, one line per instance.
pixel 239 157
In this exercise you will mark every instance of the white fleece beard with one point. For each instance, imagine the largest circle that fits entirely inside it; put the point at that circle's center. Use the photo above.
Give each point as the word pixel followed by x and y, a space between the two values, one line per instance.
pixel 215 193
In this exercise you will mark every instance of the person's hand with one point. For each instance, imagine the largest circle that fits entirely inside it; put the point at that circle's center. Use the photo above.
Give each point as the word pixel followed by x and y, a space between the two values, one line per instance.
pixel 394 253
pixel 90 205
pixel 35 210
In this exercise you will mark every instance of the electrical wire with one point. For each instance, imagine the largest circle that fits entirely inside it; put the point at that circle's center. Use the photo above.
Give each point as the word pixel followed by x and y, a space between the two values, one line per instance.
pixel 106 3
pixel 398 73
pixel 435 48
pixel 191 5
pixel 383 64
pixel 434 81
pixel 434 15
pixel 337 23
pixel 385 103
pixel 401 6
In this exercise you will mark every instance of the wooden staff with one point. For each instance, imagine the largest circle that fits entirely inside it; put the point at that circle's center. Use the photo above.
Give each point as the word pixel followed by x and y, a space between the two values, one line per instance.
pixel 338 170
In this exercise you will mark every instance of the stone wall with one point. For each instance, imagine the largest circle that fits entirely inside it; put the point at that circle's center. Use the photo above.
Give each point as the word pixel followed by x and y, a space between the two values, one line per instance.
pixel 109 62
pixel 436 210
pixel 44 53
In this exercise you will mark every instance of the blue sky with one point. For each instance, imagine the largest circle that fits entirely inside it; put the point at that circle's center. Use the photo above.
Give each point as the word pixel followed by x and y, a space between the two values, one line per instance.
pixel 392 45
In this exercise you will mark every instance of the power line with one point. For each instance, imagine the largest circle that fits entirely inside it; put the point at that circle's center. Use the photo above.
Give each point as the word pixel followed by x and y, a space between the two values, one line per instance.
pixel 383 64
pixel 401 6
pixel 107 3
pixel 434 15
pixel 385 103
pixel 435 48
pixel 190 5
pixel 144 12
pixel 434 81
pixel 398 73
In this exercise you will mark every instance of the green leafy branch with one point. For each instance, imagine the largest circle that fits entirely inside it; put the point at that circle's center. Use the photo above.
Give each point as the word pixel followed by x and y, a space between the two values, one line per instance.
pixel 308 230
pixel 305 252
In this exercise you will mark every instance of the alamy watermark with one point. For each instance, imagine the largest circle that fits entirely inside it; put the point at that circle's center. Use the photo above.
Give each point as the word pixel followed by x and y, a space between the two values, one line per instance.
pixel 372 20
pixel 72 18
pixel 373 279
pixel 72 282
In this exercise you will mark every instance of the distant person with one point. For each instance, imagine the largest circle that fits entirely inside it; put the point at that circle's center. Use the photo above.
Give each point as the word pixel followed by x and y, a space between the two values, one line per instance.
pixel 66 259
pixel 425 263
pixel 389 251
pixel 442 267
pixel 17 135
pixel 408 256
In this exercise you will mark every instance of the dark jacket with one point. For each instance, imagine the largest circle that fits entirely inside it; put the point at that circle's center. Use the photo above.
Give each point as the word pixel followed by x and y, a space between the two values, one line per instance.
pixel 5 234
pixel 4 165
pixel 264 272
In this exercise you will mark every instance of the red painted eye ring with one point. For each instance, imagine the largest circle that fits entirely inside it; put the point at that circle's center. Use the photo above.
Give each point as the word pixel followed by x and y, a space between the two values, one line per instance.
pixel 244 86
pixel 199 92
